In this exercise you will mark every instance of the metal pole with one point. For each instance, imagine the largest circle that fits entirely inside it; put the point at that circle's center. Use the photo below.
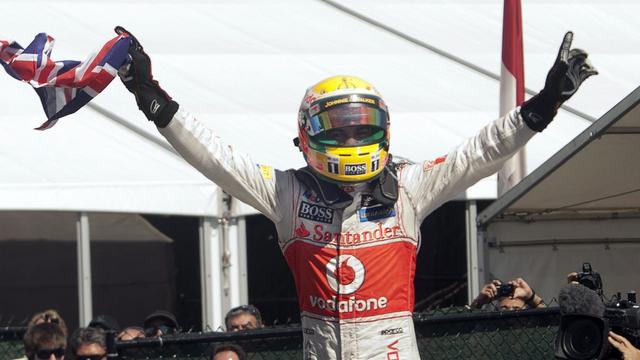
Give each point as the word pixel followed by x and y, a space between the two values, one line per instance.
pixel 85 301
pixel 473 270
pixel 210 256
pixel 237 261
pixel 243 283
pixel 234 260
pixel 225 203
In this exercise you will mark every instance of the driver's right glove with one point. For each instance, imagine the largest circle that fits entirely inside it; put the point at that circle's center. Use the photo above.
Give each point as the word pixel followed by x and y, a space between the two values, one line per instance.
pixel 568 72
pixel 154 102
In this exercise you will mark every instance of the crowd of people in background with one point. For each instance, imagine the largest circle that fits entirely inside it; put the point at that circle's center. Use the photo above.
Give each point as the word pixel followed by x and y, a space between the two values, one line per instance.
pixel 47 336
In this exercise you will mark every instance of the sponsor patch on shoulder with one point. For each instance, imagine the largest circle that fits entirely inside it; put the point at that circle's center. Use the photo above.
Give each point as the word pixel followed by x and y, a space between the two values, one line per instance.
pixel 430 164
pixel 266 172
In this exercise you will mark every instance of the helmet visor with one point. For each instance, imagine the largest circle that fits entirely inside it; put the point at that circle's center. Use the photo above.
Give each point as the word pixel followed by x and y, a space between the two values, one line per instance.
pixel 355 124
pixel 358 135
pixel 349 110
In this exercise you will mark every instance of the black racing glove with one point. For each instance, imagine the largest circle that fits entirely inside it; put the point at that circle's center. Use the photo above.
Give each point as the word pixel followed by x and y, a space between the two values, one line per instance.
pixel 154 102
pixel 563 80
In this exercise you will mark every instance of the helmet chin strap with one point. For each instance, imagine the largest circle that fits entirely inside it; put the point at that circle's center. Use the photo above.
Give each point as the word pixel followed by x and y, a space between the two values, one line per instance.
pixel 385 188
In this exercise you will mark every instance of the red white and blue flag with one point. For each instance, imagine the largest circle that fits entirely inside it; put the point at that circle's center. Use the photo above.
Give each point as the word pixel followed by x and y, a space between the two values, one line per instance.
pixel 511 87
pixel 63 86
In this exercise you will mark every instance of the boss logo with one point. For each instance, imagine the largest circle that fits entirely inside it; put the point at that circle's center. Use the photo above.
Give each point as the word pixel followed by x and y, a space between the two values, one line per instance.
pixel 315 212
pixel 355 169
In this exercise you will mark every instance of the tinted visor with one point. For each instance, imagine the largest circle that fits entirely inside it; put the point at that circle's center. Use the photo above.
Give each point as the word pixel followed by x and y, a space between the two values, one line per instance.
pixel 349 110
pixel 357 135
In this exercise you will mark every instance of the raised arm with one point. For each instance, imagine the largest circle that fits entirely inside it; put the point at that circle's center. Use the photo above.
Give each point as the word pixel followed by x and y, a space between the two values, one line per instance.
pixel 434 182
pixel 235 173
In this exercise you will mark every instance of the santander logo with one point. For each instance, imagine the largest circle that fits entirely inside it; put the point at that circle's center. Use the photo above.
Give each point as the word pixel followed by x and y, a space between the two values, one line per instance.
pixel 345 274
pixel 349 238
pixel 302 231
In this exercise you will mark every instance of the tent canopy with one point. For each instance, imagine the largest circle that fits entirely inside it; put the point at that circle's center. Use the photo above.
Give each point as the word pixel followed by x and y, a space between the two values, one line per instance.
pixel 595 175
pixel 242 68
pixel 582 205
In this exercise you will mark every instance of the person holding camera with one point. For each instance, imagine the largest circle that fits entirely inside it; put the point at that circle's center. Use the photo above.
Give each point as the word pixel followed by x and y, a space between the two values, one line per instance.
pixel 514 295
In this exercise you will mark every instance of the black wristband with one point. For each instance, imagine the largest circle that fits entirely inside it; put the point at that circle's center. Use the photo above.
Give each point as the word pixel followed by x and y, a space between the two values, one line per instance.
pixel 539 111
pixel 529 301
pixel 166 114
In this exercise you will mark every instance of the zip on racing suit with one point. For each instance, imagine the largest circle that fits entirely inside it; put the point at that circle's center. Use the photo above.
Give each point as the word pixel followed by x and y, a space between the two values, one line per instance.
pixel 351 249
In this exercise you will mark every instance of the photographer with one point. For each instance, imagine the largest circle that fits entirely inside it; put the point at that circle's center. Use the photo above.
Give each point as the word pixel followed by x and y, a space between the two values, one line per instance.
pixel 514 295
pixel 628 351
pixel 588 318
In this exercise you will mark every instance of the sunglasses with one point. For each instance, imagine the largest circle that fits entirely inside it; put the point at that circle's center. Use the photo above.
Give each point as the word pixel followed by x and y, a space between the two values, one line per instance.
pixel 46 353
pixel 91 357
pixel 242 309
pixel 152 331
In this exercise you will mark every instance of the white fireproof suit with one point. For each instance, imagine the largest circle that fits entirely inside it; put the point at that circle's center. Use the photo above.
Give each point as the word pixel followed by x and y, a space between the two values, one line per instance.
pixel 353 266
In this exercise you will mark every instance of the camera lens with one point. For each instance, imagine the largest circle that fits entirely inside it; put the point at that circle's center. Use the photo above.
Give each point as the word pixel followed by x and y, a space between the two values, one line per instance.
pixel 582 339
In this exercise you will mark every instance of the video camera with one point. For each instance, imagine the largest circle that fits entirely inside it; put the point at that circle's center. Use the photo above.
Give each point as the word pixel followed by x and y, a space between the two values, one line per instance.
pixel 590 278
pixel 586 320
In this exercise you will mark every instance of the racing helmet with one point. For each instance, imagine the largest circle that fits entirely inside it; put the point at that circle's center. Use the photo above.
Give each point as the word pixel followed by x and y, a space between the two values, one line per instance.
pixel 343 129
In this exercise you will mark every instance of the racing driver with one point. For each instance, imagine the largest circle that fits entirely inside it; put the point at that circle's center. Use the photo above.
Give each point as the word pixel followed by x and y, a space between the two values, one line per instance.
pixel 349 222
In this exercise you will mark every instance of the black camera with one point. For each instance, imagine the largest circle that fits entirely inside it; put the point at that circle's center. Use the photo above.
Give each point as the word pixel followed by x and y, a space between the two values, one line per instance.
pixel 586 320
pixel 590 278
pixel 624 318
pixel 504 290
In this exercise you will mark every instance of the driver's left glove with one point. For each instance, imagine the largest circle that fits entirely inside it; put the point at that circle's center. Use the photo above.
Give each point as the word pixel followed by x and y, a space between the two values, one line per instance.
pixel 568 72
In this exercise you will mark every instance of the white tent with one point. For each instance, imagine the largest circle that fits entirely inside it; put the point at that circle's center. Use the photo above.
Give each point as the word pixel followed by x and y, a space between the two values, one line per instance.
pixel 582 205
pixel 242 68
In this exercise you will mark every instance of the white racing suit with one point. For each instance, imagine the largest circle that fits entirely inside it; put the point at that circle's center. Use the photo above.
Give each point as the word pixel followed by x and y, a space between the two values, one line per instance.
pixel 353 261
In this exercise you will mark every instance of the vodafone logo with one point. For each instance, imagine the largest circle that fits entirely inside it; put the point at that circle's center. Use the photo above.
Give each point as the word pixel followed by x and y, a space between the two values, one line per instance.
pixel 345 274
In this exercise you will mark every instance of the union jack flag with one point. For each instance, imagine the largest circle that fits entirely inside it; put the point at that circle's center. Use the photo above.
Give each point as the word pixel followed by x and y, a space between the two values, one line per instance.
pixel 63 86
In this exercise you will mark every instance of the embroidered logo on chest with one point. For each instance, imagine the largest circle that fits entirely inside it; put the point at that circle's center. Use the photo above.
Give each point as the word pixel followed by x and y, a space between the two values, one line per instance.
pixel 315 212
pixel 371 209
pixel 311 196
